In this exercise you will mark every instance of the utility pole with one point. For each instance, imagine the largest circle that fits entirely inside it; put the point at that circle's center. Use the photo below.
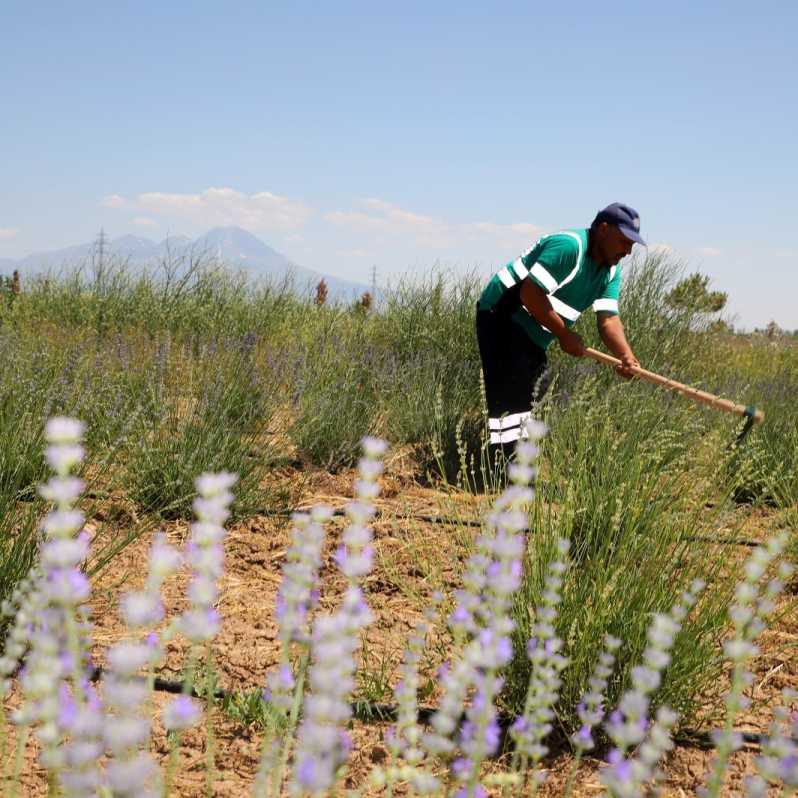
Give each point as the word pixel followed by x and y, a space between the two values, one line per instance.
pixel 374 281
pixel 98 256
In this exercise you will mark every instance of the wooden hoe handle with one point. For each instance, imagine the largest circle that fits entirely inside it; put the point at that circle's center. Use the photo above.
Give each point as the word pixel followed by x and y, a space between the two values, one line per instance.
pixel 693 393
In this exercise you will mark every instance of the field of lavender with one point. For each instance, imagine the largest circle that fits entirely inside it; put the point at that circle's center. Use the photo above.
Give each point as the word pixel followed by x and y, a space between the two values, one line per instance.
pixel 592 606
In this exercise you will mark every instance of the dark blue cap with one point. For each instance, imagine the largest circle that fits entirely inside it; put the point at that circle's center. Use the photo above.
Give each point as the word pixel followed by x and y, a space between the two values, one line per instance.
pixel 626 219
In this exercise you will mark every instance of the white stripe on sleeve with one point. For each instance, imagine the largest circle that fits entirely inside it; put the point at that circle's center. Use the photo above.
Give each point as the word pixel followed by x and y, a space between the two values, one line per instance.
pixel 520 269
pixel 566 311
pixel 606 304
pixel 541 274
pixel 506 277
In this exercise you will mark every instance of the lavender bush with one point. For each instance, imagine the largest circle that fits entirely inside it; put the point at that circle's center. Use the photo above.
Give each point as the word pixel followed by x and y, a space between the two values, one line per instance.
pixel 310 691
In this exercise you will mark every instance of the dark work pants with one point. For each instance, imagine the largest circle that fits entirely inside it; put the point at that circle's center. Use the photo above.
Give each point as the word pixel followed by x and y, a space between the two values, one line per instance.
pixel 516 374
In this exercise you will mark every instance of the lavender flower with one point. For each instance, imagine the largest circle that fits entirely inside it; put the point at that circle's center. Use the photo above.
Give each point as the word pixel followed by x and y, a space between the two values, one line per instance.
pixel 590 709
pixel 543 651
pixel 628 726
pixel 321 748
pixel 181 713
pixel 322 744
pixel 204 553
pixel 748 615
pixel 355 556
pixel 84 725
pixel 61 431
pixel 404 739
pixel 778 762
pixel 134 776
pixel 24 606
pixel 54 681
pixel 482 615
pixel 296 598
pixel 144 608
pixel 131 771
pixel 41 679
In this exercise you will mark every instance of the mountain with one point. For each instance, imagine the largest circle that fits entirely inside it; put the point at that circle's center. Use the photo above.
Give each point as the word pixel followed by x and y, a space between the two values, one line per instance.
pixel 135 247
pixel 233 246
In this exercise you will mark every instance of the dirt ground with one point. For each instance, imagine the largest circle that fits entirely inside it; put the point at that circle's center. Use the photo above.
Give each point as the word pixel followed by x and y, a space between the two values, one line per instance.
pixel 413 558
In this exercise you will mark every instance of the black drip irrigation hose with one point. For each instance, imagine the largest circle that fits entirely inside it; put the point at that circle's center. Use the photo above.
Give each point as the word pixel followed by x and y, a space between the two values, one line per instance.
pixel 371 712
pixel 470 522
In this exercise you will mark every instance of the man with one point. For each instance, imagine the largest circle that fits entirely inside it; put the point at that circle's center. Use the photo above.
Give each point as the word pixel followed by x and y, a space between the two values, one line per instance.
pixel 537 298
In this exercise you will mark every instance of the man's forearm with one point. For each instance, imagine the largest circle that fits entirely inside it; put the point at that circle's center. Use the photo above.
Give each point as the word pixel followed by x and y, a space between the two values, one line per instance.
pixel 612 333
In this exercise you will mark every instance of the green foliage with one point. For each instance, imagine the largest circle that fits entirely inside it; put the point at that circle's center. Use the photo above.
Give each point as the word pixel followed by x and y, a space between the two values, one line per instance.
pixel 18 550
pixel 335 391
pixel 693 293
pixel 765 464
pixel 250 710
pixel 625 479
pixel 430 391
pixel 213 420
pixel 41 376
pixel 355 373
pixel 374 676
pixel 187 296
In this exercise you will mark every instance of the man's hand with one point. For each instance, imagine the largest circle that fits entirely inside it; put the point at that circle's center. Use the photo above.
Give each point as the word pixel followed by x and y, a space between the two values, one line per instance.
pixel 572 344
pixel 628 362
pixel 612 333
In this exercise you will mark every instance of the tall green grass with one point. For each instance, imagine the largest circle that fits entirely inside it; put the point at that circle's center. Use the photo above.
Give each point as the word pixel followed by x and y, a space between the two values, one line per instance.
pixel 212 413
pixel 409 371
pixel 630 483
pixel 766 465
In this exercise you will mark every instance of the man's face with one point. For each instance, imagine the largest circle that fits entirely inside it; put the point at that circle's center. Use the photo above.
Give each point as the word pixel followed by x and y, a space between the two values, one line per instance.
pixel 611 245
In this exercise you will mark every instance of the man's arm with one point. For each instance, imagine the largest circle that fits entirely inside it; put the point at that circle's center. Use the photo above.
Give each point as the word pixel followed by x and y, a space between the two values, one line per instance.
pixel 536 301
pixel 611 331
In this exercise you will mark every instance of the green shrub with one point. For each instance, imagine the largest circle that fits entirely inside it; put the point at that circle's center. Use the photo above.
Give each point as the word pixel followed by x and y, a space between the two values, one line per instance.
pixel 335 391
pixel 216 422
pixel 628 480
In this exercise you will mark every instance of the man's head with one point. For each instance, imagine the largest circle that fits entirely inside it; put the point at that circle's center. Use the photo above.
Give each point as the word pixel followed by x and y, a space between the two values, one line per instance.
pixel 613 232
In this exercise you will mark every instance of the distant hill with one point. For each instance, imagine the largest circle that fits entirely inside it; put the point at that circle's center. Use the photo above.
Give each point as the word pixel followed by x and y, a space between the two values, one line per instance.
pixel 232 246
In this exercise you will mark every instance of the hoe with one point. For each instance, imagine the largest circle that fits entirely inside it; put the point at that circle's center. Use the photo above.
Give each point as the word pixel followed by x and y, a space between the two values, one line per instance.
pixel 748 412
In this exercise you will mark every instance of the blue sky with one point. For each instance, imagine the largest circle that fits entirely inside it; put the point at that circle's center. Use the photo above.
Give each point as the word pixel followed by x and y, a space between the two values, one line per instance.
pixel 409 135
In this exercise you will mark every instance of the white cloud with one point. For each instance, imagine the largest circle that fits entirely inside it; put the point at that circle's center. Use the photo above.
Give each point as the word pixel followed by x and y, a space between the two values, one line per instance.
pixel 113 201
pixel 144 221
pixel 226 206
pixel 709 252
pixel 7 233
pixel 357 221
pixel 386 219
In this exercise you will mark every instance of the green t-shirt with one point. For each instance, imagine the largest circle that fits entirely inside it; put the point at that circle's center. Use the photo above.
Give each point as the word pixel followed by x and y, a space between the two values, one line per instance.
pixel 560 265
